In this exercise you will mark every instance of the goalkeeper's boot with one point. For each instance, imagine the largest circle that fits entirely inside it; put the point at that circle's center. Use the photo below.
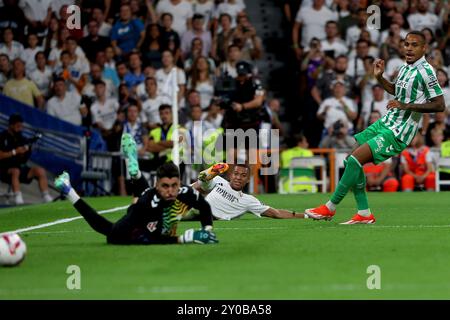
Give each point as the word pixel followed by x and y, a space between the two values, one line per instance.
pixel 213 171
pixel 320 213
pixel 62 183
pixel 129 151
pixel 359 219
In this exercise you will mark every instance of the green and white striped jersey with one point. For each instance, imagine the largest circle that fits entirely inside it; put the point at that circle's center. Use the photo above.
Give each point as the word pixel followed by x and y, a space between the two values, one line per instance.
pixel 415 83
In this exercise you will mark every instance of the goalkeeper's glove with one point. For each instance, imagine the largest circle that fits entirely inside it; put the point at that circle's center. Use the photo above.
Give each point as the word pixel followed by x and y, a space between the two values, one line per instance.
pixel 202 236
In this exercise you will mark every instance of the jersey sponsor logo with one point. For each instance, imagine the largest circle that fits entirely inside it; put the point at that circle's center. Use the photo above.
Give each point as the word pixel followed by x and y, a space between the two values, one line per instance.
pixel 155 201
pixel 151 226
pixel 226 195
pixel 402 84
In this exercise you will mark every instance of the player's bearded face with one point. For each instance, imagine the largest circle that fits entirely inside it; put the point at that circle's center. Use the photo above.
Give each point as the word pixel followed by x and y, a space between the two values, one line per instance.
pixel 168 188
pixel 415 48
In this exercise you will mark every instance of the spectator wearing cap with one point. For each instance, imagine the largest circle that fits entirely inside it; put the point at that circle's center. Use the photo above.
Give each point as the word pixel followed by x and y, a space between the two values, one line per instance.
pixel 21 88
pixel 15 150
pixel 228 67
pixel 66 105
pixel 181 11
pixel 378 102
pixel 127 33
pixel 337 107
pixel 197 31
pixel 247 100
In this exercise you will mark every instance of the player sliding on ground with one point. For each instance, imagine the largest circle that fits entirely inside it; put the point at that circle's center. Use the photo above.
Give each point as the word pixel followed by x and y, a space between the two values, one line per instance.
pixel 153 218
pixel 416 91
pixel 226 198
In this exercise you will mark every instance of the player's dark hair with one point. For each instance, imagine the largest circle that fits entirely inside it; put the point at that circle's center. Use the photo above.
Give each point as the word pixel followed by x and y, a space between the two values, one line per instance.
pixel 243 165
pixel 164 107
pixel 168 170
pixel 417 33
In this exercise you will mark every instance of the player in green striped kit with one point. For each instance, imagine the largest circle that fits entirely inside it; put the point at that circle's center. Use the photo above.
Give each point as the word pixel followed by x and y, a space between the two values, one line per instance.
pixel 416 91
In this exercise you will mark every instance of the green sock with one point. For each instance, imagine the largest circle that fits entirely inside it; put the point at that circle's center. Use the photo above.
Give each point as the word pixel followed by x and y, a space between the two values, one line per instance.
pixel 352 172
pixel 359 190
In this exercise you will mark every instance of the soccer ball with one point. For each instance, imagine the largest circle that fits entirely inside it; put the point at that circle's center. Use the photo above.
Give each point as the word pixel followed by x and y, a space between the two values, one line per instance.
pixel 12 250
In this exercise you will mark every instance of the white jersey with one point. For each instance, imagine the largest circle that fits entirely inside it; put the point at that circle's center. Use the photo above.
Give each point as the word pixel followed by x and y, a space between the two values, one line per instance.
pixel 227 203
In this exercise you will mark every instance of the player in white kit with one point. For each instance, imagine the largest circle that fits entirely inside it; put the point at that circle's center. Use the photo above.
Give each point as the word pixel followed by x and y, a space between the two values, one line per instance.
pixel 227 199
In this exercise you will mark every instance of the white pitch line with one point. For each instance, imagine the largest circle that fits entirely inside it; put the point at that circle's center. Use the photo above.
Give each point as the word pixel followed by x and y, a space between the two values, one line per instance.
pixel 60 221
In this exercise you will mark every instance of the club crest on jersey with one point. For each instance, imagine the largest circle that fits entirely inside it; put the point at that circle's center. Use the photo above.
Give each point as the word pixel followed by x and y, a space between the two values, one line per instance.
pixel 151 226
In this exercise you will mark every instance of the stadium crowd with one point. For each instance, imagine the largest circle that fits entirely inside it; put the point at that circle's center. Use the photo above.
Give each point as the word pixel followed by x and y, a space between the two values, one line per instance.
pixel 111 74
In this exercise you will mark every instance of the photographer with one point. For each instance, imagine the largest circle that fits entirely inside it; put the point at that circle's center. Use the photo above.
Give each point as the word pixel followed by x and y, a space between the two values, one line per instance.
pixel 15 150
pixel 338 137
pixel 243 109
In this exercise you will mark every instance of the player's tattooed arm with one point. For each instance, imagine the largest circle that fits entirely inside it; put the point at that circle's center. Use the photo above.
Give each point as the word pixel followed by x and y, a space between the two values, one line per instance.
pixel 435 104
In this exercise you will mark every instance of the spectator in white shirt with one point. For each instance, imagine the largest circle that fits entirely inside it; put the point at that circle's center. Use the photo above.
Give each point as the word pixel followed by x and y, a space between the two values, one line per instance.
pixel 228 67
pixel 201 79
pixel 355 67
pixel 66 105
pixel 231 7
pixel 311 22
pixel 29 53
pixel 205 8
pixel 5 70
pixel 337 107
pixel 103 110
pixel 377 102
pixel 97 75
pixel 9 46
pixel 104 28
pixel 181 11
pixel 163 74
pixel 42 75
pixel 38 14
pixel 423 19
pixel 150 108
pixel 333 42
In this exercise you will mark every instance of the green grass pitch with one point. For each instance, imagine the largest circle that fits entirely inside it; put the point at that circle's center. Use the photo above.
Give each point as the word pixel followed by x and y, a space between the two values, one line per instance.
pixel 255 259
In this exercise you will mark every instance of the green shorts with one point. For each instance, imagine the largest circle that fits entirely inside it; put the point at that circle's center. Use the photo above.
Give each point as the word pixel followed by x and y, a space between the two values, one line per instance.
pixel 381 141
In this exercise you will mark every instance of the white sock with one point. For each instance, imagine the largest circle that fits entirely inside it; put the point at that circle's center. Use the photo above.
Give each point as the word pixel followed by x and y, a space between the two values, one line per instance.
pixel 46 196
pixel 364 213
pixel 72 196
pixel 330 205
pixel 18 197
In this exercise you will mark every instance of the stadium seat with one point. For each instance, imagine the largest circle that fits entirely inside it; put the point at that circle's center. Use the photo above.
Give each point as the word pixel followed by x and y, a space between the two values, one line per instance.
pixel 443 163
pixel 301 168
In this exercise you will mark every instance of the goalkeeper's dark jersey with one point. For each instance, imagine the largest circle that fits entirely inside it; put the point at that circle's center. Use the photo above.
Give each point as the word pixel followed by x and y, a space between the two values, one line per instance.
pixel 154 220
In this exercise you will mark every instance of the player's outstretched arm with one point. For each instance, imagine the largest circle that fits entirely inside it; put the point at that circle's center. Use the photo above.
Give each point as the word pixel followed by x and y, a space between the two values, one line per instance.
pixel 282 214
pixel 378 69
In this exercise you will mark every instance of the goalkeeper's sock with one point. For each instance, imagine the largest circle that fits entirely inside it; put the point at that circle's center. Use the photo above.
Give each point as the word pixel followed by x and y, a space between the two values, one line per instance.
pixel 353 169
pixel 359 191
pixel 72 196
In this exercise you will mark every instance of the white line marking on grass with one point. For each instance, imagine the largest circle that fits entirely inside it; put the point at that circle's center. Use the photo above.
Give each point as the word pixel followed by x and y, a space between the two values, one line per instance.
pixel 60 221
pixel 256 228
pixel 397 227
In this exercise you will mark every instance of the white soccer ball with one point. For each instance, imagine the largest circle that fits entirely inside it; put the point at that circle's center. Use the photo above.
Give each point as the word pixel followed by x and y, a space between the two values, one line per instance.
pixel 12 250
